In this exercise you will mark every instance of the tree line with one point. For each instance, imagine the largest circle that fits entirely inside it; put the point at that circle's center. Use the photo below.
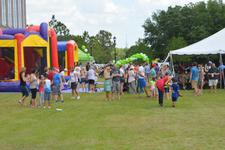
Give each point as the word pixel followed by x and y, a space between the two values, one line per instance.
pixel 164 30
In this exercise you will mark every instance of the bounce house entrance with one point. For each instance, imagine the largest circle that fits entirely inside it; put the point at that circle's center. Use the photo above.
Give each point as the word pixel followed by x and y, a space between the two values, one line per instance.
pixel 35 58
pixel 61 58
pixel 7 63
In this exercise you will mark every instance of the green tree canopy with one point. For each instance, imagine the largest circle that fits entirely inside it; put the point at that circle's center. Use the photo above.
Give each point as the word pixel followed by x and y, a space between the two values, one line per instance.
pixel 59 27
pixel 183 25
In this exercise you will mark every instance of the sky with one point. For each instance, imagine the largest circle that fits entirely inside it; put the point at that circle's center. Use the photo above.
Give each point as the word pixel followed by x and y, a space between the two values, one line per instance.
pixel 123 18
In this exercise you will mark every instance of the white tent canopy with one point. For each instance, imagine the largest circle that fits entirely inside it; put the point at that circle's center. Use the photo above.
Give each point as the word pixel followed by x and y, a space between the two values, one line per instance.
pixel 214 44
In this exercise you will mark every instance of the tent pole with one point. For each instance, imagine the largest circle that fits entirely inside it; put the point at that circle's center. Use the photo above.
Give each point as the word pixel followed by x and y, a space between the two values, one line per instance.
pixel 221 78
pixel 167 57
pixel 221 62
pixel 171 60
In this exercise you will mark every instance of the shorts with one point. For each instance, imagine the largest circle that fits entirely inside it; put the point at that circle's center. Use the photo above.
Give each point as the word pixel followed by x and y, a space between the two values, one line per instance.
pixel 33 93
pixel 148 75
pixel 213 82
pixel 83 80
pixel 194 84
pixel 56 90
pixel 47 96
pixel 73 85
pixel 107 85
pixel 122 80
pixel 115 87
pixel 200 83
pixel 174 99
pixel 91 81
pixel 141 83
pixel 152 88
pixel 24 91
pixel 167 89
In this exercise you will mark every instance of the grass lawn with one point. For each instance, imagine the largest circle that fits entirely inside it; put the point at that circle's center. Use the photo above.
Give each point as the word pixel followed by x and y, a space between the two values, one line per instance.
pixel 134 122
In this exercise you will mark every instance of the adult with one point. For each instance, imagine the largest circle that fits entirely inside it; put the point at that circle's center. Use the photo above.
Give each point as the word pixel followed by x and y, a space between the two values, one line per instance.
pixel 56 85
pixel 194 76
pixel 116 88
pixel 91 76
pixel 153 73
pixel 62 74
pixel 208 66
pixel 23 86
pixel 122 79
pixel 141 81
pixel 107 83
pixel 160 85
pixel 147 72
pixel 33 87
pixel 222 72
pixel 166 70
pixel 201 78
pixel 132 80
pixel 213 77
pixel 74 75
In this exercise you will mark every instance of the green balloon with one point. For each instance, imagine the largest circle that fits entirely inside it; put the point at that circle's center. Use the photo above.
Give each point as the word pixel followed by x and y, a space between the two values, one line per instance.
pixel 83 47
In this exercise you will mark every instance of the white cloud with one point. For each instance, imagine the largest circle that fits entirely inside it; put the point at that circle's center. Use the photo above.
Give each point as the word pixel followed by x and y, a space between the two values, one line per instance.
pixel 122 18
pixel 110 7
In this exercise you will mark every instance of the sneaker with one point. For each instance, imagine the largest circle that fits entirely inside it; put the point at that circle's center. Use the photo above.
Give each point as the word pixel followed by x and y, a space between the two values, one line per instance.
pixel 62 101
pixel 78 97
pixel 20 102
pixel 44 107
pixel 49 107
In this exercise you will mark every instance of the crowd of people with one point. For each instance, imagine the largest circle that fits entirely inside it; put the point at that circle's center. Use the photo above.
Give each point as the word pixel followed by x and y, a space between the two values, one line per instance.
pixel 153 80
pixel 143 78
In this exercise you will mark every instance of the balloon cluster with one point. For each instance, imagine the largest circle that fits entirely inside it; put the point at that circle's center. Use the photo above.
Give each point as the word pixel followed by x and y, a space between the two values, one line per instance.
pixel 136 57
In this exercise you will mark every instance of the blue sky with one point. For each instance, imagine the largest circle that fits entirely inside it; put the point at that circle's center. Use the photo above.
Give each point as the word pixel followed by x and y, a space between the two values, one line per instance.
pixel 123 18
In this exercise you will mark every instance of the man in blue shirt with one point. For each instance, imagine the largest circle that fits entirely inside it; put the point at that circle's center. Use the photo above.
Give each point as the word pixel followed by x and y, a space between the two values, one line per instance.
pixel 57 84
pixel 194 76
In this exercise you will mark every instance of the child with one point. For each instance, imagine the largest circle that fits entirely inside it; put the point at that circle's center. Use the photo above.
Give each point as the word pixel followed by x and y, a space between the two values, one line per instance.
pixel 167 88
pixel 175 92
pixel 47 92
pixel 74 75
pixel 41 90
pixel 153 87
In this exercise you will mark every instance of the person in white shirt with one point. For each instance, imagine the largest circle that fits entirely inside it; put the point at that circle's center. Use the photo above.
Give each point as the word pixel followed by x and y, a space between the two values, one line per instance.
pixel 122 79
pixel 91 75
pixel 132 80
pixel 47 92
pixel 141 81
pixel 74 75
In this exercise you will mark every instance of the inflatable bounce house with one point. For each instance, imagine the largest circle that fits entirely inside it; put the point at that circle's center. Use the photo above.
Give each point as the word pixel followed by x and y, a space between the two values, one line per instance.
pixel 31 47
pixel 67 54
